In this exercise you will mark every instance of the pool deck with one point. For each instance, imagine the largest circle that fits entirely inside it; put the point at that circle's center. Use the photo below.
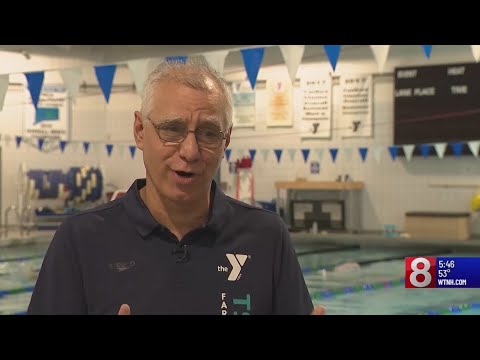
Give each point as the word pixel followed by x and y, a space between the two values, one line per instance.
pixel 15 237
pixel 367 239
pixel 378 240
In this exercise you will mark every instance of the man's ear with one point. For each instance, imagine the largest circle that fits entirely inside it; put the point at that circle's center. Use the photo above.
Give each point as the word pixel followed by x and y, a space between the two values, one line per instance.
pixel 138 130
pixel 227 141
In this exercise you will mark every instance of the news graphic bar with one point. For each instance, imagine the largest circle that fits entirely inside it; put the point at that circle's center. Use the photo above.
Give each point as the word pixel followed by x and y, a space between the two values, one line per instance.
pixel 442 272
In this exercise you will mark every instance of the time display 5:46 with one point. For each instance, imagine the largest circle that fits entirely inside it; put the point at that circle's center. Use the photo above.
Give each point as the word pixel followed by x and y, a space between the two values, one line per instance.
pixel 449 264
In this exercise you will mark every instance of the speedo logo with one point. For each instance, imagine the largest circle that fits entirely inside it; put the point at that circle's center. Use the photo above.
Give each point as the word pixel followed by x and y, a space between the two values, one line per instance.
pixel 237 261
pixel 122 265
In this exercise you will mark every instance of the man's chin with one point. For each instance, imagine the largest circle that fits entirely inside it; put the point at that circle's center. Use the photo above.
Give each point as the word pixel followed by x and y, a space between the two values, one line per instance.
pixel 181 197
pixel 183 193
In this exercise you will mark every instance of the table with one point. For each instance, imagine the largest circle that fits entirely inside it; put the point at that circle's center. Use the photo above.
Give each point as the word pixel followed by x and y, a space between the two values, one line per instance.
pixel 348 191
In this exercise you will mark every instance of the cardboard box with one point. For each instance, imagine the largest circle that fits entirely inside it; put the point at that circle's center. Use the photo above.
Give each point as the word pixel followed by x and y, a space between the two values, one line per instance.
pixel 438 225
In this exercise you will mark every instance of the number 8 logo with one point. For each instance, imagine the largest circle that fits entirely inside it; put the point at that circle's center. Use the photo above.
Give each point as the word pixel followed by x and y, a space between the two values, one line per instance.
pixel 416 271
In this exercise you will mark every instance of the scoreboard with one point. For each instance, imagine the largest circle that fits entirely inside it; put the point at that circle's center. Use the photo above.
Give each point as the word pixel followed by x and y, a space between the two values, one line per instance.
pixel 437 103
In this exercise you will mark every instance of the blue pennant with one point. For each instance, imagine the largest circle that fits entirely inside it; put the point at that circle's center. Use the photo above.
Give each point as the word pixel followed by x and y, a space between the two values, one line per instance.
pixel 425 149
pixel 176 59
pixel 363 152
pixel 305 153
pixel 132 149
pixel 333 52
pixel 109 148
pixel 427 49
pixel 86 145
pixel 35 83
pixel 252 153
pixel 105 74
pixel 333 153
pixel 393 152
pixel 457 148
pixel 40 143
pixel 63 143
pixel 18 140
pixel 252 59
pixel 278 154
pixel 228 152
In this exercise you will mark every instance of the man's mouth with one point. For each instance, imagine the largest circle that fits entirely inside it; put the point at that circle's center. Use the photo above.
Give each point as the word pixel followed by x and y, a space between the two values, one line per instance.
pixel 184 174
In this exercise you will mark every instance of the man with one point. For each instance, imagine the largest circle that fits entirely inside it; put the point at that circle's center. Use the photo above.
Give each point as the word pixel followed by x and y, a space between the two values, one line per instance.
pixel 175 244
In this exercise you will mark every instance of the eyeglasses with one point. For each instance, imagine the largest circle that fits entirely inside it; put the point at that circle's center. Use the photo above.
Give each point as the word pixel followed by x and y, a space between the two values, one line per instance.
pixel 208 136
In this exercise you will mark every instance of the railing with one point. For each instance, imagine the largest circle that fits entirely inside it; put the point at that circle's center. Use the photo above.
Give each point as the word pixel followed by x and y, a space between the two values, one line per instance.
pixel 24 220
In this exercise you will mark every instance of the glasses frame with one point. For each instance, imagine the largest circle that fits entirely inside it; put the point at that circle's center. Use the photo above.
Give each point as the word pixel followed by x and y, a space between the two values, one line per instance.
pixel 157 128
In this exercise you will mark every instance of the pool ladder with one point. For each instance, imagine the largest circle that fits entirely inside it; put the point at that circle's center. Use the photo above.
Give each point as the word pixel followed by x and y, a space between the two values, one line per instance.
pixel 24 220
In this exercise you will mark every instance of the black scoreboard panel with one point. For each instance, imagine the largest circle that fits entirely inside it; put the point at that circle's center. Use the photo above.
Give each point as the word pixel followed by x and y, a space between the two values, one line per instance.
pixel 439 103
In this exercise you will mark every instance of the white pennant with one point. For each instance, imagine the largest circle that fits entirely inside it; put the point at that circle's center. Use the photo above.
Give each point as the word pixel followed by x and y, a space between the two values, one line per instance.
pixel 291 153
pixel 377 153
pixel 408 150
pixel 96 148
pixel 140 70
pixel 440 149
pixel 4 79
pixel 216 59
pixel 92 149
pixel 7 139
pixel 74 146
pixel 292 55
pixel 264 153
pixel 240 153
pixel 381 53
pixel 319 153
pixel 476 52
pixel 348 153
pixel 120 150
pixel 153 63
pixel 473 146
pixel 71 79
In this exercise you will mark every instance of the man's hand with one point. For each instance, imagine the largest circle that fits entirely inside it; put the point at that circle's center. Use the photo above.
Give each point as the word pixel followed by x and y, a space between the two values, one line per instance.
pixel 318 310
pixel 124 310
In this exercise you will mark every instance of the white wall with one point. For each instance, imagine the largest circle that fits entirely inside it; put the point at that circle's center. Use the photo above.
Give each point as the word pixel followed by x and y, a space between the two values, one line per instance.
pixel 392 188
pixel 92 119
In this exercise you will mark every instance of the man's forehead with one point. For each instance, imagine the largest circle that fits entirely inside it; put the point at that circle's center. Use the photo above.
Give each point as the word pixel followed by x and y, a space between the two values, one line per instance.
pixel 183 117
pixel 207 86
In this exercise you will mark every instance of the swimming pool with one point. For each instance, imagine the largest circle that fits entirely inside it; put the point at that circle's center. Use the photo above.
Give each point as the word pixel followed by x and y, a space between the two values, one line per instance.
pixel 346 279
pixel 19 267
pixel 371 282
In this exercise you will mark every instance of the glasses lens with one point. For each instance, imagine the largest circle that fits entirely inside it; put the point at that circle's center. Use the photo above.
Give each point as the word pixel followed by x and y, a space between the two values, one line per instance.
pixel 172 131
pixel 209 136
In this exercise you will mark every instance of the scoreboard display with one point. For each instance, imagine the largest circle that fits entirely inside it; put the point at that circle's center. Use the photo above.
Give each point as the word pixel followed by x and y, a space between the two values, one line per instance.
pixel 439 103
pixel 442 272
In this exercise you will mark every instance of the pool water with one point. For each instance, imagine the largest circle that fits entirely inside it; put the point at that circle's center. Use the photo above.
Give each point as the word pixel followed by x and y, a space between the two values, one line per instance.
pixel 346 280
pixel 12 252
pixel 362 282
pixel 19 266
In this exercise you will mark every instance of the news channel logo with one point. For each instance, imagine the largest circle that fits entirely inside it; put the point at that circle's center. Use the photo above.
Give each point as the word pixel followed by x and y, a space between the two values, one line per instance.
pixel 442 272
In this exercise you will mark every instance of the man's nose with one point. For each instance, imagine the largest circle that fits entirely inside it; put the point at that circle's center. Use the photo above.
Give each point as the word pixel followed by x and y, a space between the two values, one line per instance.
pixel 189 149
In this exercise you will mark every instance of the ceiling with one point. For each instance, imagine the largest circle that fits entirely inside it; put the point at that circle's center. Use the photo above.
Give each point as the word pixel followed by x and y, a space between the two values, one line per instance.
pixel 48 57
pixel 114 53
pixel 72 55
pixel 117 53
